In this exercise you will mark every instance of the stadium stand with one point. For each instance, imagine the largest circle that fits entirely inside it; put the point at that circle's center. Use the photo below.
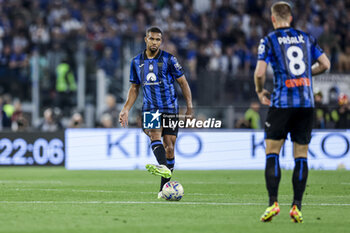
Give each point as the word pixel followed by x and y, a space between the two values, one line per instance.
pixel 216 41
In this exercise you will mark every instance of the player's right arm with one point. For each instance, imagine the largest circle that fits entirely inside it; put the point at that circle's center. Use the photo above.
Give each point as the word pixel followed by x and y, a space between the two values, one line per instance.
pixel 259 80
pixel 132 96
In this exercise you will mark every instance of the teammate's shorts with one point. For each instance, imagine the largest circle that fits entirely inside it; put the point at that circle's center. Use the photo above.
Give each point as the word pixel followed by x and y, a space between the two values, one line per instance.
pixel 296 121
pixel 167 121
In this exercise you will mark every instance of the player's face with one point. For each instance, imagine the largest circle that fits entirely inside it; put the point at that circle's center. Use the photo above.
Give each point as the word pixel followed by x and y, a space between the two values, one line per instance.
pixel 153 41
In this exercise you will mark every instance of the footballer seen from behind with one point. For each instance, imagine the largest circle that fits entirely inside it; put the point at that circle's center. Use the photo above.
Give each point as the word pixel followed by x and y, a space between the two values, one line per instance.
pixel 291 54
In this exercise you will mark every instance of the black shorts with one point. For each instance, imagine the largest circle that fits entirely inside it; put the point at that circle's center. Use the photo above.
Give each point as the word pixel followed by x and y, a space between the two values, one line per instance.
pixel 167 120
pixel 296 121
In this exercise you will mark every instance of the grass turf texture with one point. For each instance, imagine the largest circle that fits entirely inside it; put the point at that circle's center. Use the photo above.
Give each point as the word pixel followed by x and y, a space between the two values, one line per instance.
pixel 56 200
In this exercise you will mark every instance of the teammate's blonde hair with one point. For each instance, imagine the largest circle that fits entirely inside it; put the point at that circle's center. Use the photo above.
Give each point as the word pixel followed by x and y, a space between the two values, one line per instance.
pixel 281 10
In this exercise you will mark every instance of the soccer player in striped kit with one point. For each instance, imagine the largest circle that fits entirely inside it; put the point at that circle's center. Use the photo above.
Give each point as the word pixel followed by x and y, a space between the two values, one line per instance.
pixel 156 72
pixel 291 54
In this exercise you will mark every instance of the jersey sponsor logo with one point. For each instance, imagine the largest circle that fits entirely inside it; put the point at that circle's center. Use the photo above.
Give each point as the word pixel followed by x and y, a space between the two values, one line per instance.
pixel 151 80
pixel 291 39
pixel 151 77
pixel 298 82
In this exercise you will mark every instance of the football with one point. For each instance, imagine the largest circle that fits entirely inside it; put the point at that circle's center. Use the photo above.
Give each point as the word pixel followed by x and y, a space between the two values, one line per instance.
pixel 173 191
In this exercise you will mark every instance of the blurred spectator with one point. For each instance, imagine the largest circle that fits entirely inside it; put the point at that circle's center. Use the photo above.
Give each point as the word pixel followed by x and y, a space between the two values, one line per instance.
pixel 19 121
pixel 56 12
pixel 315 28
pixel 214 62
pixel 20 40
pixel 344 60
pixel 107 63
pixel 76 121
pixel 55 56
pixel 202 59
pixel 191 60
pixel 106 121
pixel 18 58
pixel 251 60
pixel 240 50
pixel 321 113
pixel 51 121
pixel 45 81
pixel 39 33
pixel 329 40
pixel 242 124
pixel 7 105
pixel 69 23
pixel 5 121
pixel 19 65
pixel 229 62
pixel 341 115
pixel 65 87
pixel 252 116
pixel 5 77
pixel 112 109
pixel 333 94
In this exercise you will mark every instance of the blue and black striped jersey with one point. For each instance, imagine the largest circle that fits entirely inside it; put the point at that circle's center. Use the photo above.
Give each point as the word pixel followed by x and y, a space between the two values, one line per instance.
pixel 291 53
pixel 157 77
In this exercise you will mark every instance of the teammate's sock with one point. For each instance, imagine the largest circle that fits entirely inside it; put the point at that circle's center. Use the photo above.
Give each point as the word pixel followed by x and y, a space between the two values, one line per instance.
pixel 300 174
pixel 170 165
pixel 272 176
pixel 159 152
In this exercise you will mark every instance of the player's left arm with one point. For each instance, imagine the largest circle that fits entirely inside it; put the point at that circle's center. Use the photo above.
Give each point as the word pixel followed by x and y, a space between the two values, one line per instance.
pixel 186 91
pixel 259 80
pixel 323 64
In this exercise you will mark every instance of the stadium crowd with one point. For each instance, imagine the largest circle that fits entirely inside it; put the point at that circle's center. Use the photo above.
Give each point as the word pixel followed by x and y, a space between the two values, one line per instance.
pixel 208 37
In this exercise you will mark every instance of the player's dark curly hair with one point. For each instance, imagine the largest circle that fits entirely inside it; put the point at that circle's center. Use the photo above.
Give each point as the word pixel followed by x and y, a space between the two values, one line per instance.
pixel 154 29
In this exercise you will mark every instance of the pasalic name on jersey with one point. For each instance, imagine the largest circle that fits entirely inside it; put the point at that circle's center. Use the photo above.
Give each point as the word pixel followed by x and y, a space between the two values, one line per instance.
pixel 291 40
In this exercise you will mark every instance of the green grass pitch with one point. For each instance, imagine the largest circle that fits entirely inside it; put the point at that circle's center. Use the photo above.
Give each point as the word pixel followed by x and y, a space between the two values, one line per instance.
pixel 56 200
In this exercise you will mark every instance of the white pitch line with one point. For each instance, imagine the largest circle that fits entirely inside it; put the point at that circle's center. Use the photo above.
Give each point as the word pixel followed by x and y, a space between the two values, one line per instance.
pixel 67 190
pixel 135 182
pixel 164 203
pixel 31 182
pixel 128 192
pixel 113 191
pixel 217 183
